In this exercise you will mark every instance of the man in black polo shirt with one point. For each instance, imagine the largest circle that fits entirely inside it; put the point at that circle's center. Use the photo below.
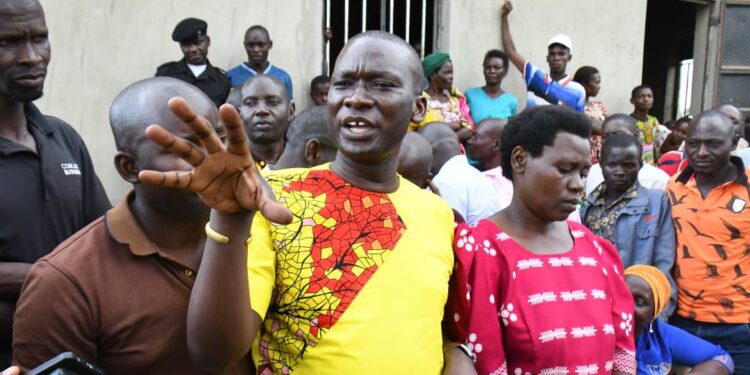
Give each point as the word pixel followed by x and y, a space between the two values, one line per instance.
pixel 48 188
pixel 194 68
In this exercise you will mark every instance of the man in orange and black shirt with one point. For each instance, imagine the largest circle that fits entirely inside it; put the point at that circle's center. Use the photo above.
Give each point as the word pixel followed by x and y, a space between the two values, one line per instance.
pixel 710 209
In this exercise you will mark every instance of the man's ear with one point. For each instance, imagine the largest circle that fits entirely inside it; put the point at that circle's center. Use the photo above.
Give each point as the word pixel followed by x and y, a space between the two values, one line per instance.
pixel 292 110
pixel 312 152
pixel 419 109
pixel 270 44
pixel 208 41
pixel 496 145
pixel 570 57
pixel 518 160
pixel 125 165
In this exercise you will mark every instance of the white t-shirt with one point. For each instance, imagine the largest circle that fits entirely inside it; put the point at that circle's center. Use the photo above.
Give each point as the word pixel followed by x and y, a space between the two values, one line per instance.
pixel 197 69
pixel 467 190
pixel 649 176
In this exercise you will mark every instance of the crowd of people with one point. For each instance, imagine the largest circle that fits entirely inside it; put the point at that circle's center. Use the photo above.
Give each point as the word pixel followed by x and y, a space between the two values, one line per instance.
pixel 397 226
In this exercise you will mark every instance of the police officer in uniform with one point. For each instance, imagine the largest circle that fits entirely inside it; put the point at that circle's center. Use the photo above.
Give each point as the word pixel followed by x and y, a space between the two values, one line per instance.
pixel 194 67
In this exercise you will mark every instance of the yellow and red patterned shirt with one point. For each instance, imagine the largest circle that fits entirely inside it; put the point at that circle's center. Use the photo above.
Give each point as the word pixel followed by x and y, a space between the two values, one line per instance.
pixel 355 284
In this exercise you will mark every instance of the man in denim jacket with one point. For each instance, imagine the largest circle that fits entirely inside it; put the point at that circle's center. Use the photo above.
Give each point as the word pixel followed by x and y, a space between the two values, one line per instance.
pixel 637 220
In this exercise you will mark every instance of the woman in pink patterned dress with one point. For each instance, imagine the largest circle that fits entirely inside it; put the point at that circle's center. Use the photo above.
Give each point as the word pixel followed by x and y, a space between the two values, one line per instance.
pixel 591 80
pixel 533 293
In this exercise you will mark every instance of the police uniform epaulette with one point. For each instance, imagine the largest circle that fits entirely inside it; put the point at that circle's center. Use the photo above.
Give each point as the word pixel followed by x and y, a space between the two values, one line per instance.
pixel 222 71
pixel 168 65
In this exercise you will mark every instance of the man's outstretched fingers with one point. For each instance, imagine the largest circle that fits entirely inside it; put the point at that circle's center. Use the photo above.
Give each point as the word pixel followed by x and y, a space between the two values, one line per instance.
pixel 236 138
pixel 269 208
pixel 200 126
pixel 178 146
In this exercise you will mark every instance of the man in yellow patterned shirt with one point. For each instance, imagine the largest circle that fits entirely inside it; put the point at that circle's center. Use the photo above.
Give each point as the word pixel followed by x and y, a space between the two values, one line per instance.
pixel 348 272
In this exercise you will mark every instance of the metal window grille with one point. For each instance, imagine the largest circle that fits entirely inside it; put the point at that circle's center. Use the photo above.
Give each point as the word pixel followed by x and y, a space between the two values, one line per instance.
pixel 413 20
pixel 734 71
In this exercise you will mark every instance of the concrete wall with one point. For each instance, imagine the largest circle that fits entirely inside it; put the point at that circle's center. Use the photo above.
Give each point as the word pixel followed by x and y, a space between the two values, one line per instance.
pixel 607 34
pixel 101 46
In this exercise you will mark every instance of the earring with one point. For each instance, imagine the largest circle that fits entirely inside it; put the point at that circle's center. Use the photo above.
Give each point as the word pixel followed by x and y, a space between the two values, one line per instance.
pixel 651 327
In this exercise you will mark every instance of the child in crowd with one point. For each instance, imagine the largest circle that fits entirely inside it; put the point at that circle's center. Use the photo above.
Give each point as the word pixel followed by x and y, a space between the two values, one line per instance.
pixel 676 136
pixel 591 80
pixel 642 98
pixel 319 89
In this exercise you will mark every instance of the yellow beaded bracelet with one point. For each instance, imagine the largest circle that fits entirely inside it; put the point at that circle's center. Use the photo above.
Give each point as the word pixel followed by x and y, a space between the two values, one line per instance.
pixel 216 236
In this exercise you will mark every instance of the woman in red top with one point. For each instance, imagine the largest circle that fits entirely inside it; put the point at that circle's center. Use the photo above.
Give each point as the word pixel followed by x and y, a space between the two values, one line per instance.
pixel 533 293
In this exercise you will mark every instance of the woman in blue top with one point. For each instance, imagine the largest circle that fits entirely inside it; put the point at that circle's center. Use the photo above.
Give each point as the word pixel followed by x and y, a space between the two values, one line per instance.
pixel 491 100
pixel 659 345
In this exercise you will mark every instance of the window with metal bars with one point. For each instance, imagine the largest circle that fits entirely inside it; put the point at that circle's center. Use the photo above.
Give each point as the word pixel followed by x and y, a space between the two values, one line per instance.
pixel 413 20
pixel 734 71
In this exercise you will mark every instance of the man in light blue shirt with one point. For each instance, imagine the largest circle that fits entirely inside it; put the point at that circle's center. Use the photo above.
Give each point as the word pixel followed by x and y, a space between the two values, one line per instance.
pixel 257 44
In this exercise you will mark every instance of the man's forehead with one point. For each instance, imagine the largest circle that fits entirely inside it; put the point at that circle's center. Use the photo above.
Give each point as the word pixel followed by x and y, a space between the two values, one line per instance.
pixel 368 48
pixel 619 126
pixel 21 9
pixel 257 36
pixel 377 56
pixel 710 127
pixel 623 151
pixel 262 86
pixel 13 20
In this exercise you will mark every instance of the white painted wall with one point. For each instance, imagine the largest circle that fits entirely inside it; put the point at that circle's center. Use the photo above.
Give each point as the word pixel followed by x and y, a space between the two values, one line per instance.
pixel 607 34
pixel 101 46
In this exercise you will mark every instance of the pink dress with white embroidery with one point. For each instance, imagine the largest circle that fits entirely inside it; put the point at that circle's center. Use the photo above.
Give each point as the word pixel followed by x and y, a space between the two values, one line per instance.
pixel 525 313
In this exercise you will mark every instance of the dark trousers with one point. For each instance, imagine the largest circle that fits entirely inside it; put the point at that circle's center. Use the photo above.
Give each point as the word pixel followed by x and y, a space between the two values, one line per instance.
pixel 734 338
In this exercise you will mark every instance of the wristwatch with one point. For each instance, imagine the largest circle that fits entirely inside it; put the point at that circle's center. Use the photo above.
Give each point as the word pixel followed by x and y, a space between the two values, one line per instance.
pixel 464 348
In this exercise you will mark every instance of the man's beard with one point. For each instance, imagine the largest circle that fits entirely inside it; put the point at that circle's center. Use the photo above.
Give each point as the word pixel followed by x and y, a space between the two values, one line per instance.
pixel 23 95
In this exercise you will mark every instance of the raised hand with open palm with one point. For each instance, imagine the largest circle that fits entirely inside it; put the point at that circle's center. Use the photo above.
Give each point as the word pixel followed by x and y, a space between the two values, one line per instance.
pixel 225 178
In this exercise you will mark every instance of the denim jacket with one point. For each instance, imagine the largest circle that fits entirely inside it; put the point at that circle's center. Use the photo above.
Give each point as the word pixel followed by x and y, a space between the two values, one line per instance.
pixel 644 234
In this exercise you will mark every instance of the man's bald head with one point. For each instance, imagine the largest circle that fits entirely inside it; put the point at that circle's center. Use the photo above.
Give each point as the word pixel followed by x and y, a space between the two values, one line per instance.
pixel 438 132
pixel 732 112
pixel 711 137
pixel 725 124
pixel 415 159
pixel 737 117
pixel 444 142
pixel 310 123
pixel 493 126
pixel 619 123
pixel 484 145
pixel 20 4
pixel 249 86
pixel 414 64
pixel 235 97
pixel 145 103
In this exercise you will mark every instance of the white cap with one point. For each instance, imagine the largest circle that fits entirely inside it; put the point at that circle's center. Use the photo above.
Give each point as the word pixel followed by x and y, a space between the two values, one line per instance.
pixel 561 39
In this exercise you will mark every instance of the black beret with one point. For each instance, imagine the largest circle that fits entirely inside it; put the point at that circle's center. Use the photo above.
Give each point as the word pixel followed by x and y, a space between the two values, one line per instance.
pixel 189 29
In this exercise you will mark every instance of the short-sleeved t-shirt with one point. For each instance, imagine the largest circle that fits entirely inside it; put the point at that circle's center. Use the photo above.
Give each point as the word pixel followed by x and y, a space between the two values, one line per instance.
pixel 543 90
pixel 712 263
pixel 647 133
pixel 356 283
pixel 241 73
pixel 482 106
